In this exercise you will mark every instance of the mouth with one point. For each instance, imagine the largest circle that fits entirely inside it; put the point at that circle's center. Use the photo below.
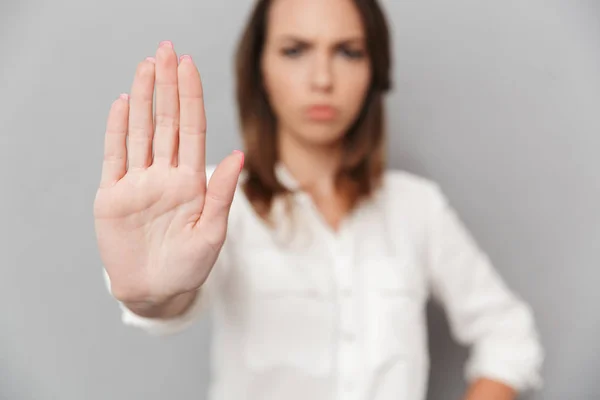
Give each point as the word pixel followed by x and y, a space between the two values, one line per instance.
pixel 321 112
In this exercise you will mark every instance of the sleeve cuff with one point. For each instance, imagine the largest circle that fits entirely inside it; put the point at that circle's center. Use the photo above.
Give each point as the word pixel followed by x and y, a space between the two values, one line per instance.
pixel 522 375
pixel 157 326
pixel 163 327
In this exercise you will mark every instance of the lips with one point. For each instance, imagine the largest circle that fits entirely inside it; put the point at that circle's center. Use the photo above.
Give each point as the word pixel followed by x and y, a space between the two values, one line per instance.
pixel 321 112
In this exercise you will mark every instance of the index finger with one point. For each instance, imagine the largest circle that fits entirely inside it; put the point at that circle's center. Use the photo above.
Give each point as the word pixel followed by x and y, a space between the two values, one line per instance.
pixel 192 118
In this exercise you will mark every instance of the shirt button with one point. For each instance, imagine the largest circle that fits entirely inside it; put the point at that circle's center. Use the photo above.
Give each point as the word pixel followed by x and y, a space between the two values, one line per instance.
pixel 348 336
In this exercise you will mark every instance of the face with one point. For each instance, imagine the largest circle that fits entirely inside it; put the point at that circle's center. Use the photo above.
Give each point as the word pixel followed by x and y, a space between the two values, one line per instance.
pixel 315 67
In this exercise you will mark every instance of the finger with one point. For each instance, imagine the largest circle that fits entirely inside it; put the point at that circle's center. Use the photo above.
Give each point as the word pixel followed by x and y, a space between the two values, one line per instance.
pixel 167 105
pixel 140 116
pixel 192 129
pixel 114 165
pixel 219 196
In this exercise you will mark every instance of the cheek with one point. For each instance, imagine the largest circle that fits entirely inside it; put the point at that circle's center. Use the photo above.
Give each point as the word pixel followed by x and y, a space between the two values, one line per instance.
pixel 354 86
pixel 281 84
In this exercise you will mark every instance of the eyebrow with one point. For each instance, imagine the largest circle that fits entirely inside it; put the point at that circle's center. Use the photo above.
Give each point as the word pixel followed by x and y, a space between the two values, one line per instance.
pixel 347 40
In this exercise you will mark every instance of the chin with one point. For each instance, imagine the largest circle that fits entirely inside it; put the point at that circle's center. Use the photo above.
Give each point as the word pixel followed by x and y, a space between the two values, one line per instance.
pixel 321 135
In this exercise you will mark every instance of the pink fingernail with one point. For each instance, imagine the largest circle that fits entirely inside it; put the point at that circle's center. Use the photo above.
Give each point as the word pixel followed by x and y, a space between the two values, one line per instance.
pixel 151 59
pixel 185 57
pixel 124 96
pixel 242 158
pixel 166 43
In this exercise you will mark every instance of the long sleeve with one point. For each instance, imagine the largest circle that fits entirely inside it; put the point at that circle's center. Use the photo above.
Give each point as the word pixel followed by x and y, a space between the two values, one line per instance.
pixel 483 313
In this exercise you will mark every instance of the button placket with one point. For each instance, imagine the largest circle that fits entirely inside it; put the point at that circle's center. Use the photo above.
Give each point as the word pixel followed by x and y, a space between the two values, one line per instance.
pixel 341 249
pixel 348 346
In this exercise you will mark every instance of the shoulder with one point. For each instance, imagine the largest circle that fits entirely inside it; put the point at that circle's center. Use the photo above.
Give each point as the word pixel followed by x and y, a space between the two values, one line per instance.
pixel 412 197
pixel 402 185
pixel 412 201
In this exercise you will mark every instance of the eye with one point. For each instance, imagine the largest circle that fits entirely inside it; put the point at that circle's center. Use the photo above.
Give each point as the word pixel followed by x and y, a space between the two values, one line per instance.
pixel 353 54
pixel 292 52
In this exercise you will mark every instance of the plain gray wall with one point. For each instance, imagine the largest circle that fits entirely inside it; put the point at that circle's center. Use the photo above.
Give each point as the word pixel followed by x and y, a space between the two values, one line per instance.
pixel 499 101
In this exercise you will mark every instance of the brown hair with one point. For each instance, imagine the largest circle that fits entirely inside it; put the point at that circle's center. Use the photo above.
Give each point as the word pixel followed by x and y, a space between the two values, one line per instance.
pixel 364 156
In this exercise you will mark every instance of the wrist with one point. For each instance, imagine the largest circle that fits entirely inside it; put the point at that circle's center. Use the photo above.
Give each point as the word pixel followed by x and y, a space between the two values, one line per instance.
pixel 163 309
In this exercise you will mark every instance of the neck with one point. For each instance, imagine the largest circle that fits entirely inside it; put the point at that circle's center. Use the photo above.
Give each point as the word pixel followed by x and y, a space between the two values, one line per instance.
pixel 312 166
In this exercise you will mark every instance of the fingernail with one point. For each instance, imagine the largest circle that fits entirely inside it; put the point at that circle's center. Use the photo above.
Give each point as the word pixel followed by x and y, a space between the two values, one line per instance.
pixel 241 154
pixel 124 96
pixel 151 59
pixel 166 43
pixel 185 57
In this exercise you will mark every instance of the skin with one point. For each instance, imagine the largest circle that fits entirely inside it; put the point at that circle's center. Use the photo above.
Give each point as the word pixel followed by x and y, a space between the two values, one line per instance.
pixel 155 211
pixel 315 53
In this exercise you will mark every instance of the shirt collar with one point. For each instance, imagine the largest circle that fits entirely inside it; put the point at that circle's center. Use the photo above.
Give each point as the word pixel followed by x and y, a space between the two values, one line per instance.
pixel 285 178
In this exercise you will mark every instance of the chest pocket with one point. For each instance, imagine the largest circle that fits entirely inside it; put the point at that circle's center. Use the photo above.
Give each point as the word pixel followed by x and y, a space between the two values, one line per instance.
pixel 395 327
pixel 288 314
pixel 396 321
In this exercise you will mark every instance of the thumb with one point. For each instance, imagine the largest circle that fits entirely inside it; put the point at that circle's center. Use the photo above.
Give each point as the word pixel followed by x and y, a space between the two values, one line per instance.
pixel 219 196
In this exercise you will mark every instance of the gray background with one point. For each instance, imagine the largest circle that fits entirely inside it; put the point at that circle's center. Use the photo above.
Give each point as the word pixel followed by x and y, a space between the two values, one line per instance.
pixel 498 101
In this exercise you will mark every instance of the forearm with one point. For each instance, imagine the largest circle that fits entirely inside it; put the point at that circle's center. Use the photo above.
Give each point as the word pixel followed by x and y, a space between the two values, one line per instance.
pixel 167 310
pixel 487 389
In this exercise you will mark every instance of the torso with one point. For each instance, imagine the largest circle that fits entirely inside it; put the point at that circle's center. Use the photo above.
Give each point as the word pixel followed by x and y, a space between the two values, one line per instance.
pixel 334 312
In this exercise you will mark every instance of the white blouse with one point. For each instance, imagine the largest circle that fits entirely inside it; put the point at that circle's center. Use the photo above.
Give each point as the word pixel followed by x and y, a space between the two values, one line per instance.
pixel 327 315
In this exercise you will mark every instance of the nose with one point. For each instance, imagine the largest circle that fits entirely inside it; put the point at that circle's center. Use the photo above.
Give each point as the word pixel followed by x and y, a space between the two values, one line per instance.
pixel 322 76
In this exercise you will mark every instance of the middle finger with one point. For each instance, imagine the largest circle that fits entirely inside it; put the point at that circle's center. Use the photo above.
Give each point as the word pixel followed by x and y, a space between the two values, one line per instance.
pixel 167 105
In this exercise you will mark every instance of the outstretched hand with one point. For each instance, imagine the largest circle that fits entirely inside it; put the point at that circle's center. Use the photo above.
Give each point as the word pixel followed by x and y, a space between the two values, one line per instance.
pixel 159 226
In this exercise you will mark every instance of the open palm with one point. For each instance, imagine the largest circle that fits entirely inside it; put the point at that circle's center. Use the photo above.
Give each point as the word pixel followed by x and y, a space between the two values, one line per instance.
pixel 159 226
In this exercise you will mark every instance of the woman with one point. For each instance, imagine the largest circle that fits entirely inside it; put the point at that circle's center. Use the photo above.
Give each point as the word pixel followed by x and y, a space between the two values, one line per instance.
pixel 315 260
